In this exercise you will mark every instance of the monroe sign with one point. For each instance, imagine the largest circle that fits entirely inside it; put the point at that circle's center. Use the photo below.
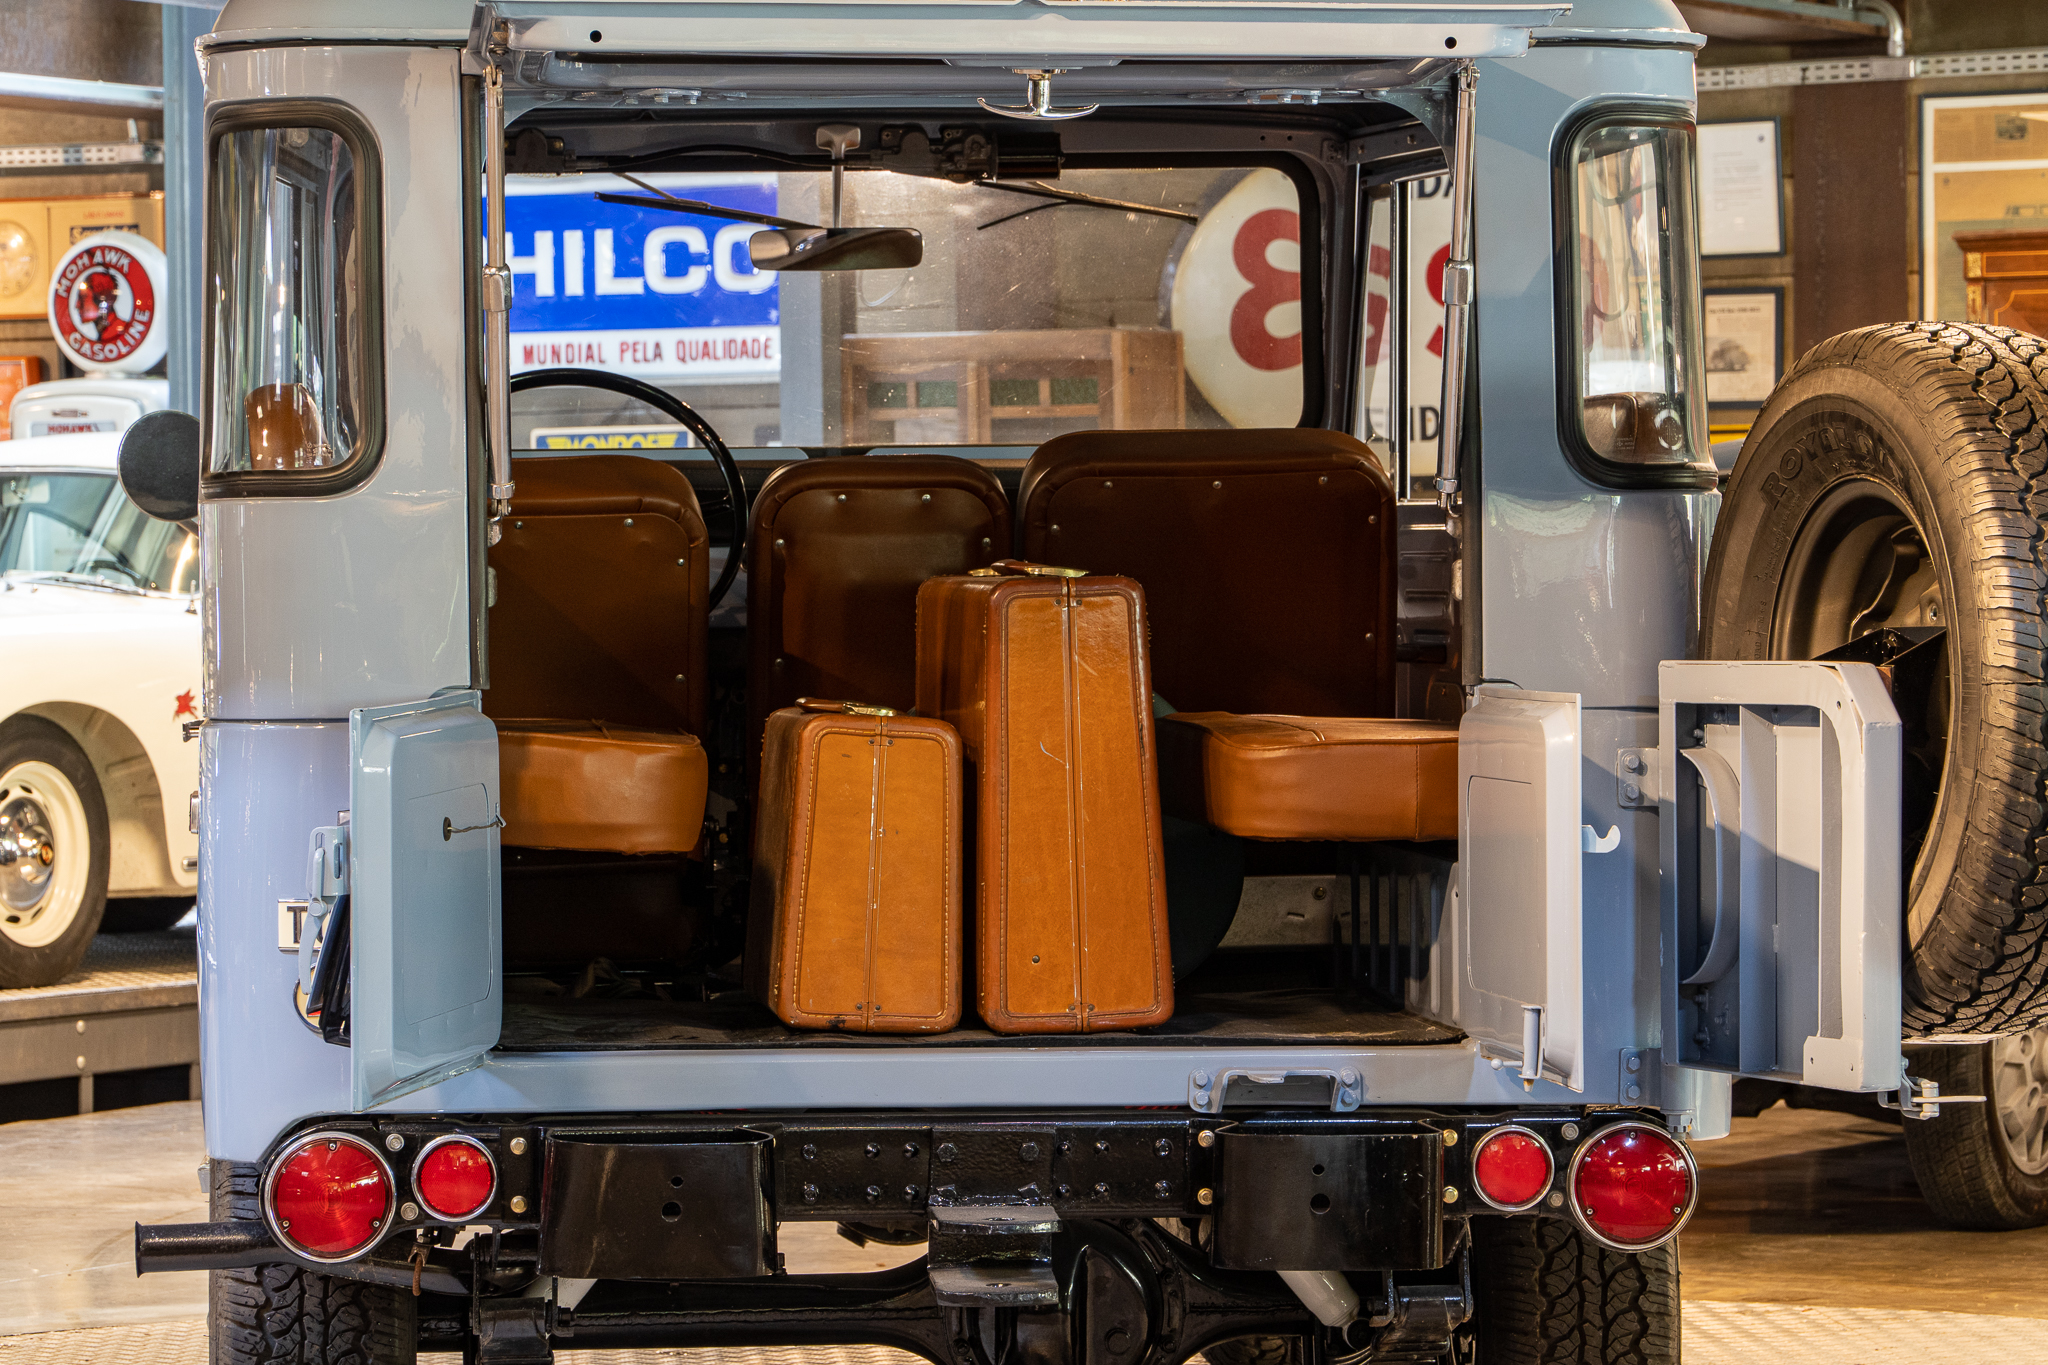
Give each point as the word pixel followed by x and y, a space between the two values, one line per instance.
pixel 640 291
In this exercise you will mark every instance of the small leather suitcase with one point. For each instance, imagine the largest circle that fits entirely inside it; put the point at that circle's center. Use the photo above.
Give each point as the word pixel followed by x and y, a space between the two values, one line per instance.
pixel 1043 671
pixel 855 919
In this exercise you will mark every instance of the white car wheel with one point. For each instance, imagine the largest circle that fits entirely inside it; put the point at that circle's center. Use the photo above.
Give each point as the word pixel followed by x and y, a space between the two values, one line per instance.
pixel 54 851
pixel 45 847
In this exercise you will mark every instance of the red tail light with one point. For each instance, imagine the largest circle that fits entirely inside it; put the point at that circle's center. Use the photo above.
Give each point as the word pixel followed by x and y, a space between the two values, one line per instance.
pixel 1633 1186
pixel 328 1197
pixel 1512 1168
pixel 454 1178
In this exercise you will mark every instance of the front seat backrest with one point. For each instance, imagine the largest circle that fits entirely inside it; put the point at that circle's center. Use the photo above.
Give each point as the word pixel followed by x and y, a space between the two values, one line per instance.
pixel 838 548
pixel 1267 559
pixel 603 578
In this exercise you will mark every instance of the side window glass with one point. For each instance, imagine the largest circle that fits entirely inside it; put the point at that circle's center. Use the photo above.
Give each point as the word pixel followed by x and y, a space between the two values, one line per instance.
pixel 293 366
pixel 1635 291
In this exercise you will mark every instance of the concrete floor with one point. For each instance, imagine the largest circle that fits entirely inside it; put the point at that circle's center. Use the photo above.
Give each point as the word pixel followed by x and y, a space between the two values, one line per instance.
pixel 1810 1243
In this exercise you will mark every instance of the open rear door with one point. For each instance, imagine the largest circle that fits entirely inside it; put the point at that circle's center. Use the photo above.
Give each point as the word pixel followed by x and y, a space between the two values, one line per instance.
pixel 1779 792
pixel 1519 988
pixel 427 998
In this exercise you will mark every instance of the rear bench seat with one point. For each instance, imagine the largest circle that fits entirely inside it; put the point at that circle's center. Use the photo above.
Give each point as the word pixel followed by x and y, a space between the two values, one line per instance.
pixel 1268 561
pixel 597 652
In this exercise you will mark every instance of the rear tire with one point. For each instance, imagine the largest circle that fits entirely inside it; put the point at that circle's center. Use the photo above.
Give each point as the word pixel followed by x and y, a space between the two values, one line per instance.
pixel 1984 1167
pixel 283 1315
pixel 1899 477
pixel 53 832
pixel 1546 1294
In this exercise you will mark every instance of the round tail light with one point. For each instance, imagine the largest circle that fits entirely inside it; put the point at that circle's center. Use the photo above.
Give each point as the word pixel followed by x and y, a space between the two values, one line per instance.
pixel 454 1177
pixel 1632 1186
pixel 1511 1167
pixel 328 1197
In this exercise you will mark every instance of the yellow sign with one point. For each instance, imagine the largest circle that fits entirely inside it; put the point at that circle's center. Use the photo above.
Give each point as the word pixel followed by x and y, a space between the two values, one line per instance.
pixel 610 438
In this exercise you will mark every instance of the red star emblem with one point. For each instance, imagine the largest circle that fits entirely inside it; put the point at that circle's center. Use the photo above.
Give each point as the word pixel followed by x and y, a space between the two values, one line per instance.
pixel 185 707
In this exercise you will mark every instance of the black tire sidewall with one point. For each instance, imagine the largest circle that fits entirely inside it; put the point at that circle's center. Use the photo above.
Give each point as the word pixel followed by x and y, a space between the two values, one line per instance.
pixel 1826 426
pixel 33 739
pixel 1960 1158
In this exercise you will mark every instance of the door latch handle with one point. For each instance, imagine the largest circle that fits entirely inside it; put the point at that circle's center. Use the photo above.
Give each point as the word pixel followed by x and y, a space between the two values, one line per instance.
pixel 449 829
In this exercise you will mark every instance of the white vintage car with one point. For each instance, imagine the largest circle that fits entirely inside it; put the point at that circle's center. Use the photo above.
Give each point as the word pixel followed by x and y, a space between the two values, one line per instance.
pixel 99 666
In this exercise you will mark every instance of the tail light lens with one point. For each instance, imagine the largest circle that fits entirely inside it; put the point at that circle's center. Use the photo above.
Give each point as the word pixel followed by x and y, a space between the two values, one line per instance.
pixel 454 1178
pixel 328 1197
pixel 1512 1168
pixel 1633 1186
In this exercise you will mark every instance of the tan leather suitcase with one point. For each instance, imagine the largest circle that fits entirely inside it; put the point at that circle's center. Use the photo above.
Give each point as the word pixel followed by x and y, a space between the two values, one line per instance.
pixel 855 920
pixel 1043 671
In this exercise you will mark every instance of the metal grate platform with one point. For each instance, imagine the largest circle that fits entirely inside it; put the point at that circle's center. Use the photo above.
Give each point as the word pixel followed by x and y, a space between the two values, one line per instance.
pixel 133 1004
pixel 1715 1334
pixel 120 972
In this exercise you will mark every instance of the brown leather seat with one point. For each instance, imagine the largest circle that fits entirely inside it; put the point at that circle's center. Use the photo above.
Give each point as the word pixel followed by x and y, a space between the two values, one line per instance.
pixel 602 581
pixel 1299 777
pixel 1267 559
pixel 594 787
pixel 834 559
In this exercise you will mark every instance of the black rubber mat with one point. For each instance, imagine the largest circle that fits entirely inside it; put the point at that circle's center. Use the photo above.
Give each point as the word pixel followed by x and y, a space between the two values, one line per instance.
pixel 1289 1017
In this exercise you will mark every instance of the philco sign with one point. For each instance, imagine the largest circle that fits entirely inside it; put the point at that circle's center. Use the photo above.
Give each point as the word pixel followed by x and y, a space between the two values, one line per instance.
pixel 104 299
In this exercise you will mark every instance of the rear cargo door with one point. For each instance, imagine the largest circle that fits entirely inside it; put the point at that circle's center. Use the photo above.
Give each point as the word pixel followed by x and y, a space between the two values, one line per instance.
pixel 1779 812
pixel 1518 979
pixel 424 886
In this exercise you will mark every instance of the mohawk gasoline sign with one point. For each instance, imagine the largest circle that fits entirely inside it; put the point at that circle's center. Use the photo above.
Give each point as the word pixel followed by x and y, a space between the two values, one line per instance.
pixel 640 291
pixel 104 297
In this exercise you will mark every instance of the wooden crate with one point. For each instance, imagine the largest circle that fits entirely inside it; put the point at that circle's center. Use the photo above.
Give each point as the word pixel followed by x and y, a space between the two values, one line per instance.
pixel 951 388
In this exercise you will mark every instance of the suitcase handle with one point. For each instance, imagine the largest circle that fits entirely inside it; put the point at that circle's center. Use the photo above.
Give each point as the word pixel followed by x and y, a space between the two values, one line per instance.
pixel 851 708
pixel 1020 568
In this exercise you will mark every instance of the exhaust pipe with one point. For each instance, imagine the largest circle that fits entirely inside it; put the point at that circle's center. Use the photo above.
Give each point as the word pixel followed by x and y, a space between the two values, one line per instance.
pixel 205 1246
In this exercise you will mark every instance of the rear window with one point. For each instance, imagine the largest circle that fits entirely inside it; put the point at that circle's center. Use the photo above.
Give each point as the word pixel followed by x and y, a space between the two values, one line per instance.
pixel 1638 395
pixel 1161 297
pixel 294 365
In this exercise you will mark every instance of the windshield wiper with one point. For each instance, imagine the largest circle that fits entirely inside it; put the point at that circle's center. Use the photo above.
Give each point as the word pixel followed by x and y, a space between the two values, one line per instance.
pixel 76 580
pixel 674 205
pixel 1040 190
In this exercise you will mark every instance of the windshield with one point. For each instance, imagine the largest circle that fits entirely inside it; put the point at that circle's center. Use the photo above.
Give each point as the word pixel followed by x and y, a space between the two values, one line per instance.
pixel 84 524
pixel 1147 298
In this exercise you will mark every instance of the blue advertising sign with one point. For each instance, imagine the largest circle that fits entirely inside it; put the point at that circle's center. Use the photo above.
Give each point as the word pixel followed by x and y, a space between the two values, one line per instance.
pixel 640 291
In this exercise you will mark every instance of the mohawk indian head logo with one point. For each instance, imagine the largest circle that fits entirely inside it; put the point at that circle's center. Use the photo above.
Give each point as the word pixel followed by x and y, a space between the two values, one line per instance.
pixel 105 297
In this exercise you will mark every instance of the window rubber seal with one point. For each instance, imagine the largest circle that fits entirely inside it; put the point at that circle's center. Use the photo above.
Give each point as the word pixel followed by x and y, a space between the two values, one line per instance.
pixel 1610 474
pixel 354 130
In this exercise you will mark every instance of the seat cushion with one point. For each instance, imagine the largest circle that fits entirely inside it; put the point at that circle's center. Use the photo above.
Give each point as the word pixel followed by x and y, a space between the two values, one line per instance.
pixel 599 788
pixel 1309 777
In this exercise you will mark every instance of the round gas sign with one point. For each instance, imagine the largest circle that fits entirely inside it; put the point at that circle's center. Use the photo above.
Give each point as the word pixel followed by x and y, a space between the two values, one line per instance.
pixel 105 297
pixel 1237 302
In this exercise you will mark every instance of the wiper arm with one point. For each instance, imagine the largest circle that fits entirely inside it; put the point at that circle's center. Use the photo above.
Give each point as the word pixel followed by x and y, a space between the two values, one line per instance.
pixel 1041 190
pixel 79 580
pixel 670 202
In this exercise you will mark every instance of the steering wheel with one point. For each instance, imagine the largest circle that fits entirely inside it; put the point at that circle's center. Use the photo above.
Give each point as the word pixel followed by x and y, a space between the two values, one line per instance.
pixel 684 416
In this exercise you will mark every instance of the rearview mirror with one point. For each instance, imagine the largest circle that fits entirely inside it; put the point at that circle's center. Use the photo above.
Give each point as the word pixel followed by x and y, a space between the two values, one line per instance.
pixel 840 248
pixel 159 462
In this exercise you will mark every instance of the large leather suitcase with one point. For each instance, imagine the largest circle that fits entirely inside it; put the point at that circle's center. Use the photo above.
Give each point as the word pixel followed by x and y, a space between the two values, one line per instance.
pixel 1043 672
pixel 855 920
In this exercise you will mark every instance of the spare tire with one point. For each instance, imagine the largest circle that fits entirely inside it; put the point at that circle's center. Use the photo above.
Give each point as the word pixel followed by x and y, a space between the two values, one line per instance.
pixel 1899 477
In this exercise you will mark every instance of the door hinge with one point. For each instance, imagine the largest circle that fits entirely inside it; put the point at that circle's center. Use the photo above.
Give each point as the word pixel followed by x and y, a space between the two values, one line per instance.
pixel 1921 1099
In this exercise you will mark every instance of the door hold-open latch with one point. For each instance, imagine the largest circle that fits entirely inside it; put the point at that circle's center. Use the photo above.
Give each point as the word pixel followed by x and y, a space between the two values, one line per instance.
pixel 1922 1099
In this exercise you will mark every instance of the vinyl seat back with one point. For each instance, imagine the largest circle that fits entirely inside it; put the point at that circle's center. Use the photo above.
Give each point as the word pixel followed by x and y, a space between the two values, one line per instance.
pixel 837 550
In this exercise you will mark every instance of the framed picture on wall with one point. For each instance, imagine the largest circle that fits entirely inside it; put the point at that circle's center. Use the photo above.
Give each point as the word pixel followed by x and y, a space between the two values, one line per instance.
pixel 1983 195
pixel 1742 200
pixel 1745 356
